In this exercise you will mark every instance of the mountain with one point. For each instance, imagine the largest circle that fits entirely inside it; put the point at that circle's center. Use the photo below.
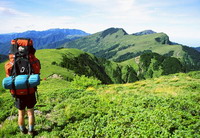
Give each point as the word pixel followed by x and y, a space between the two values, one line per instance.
pixel 116 45
pixel 68 63
pixel 51 38
pixel 145 32
pixel 197 48
pixel 73 103
pixel 3 58
pixel 71 62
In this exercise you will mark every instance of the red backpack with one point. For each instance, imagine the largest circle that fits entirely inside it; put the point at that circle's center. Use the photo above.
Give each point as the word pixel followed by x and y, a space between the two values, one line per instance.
pixel 22 61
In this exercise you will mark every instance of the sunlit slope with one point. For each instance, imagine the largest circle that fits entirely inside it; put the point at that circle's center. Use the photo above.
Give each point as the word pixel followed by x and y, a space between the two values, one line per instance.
pixel 49 56
pixel 167 106
pixel 67 63
pixel 117 45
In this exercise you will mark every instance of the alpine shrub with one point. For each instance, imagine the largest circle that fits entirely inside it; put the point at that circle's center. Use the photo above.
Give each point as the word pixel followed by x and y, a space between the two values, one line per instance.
pixel 83 82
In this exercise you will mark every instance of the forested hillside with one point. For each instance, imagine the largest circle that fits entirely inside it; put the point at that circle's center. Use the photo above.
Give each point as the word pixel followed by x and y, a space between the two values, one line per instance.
pixel 115 44
pixel 67 63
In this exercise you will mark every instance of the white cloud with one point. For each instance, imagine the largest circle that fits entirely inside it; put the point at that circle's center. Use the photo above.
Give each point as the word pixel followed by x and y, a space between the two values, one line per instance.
pixel 116 11
pixel 105 6
pixel 96 15
pixel 31 22
pixel 4 11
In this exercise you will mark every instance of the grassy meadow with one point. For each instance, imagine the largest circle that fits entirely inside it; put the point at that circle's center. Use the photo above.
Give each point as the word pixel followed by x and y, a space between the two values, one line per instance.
pixel 168 106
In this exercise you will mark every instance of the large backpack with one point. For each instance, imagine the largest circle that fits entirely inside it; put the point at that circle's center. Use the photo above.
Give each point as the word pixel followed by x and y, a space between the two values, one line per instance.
pixel 22 62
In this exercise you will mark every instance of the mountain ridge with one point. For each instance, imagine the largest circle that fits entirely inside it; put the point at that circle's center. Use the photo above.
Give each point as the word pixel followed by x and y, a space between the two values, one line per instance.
pixel 75 104
pixel 114 44
pixel 3 58
pixel 42 39
pixel 145 32
pixel 67 63
pixel 197 48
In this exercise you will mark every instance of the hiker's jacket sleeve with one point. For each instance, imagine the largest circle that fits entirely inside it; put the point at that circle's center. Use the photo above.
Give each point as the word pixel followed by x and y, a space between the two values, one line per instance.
pixel 8 67
pixel 9 64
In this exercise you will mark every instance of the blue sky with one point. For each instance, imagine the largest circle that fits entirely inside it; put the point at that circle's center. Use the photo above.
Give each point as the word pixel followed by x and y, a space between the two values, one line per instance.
pixel 179 19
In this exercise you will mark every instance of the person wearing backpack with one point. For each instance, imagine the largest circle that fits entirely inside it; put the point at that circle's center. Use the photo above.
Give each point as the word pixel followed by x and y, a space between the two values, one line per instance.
pixel 21 70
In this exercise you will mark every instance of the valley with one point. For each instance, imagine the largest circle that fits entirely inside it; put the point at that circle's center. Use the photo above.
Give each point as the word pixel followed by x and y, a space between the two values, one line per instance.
pixel 111 84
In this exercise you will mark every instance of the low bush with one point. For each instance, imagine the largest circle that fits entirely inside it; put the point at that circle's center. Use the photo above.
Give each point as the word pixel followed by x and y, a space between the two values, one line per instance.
pixel 159 107
pixel 83 82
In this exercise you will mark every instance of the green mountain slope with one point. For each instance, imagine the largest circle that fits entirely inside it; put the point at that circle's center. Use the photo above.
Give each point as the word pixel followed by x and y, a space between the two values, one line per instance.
pixel 67 63
pixel 70 62
pixel 77 62
pixel 167 106
pixel 115 44
pixel 154 65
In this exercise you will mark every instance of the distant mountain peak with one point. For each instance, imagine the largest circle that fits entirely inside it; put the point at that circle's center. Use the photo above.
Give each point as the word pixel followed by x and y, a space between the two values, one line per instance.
pixel 46 39
pixel 145 32
pixel 197 48
pixel 112 30
pixel 3 58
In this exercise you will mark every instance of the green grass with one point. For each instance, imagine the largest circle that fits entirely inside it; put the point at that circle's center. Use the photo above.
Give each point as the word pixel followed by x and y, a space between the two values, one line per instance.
pixel 80 63
pixel 131 62
pixel 114 43
pixel 47 57
pixel 2 74
pixel 167 106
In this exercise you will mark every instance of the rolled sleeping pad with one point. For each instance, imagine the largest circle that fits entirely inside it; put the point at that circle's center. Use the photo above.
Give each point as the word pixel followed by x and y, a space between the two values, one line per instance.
pixel 21 81
pixel 7 82
pixel 34 80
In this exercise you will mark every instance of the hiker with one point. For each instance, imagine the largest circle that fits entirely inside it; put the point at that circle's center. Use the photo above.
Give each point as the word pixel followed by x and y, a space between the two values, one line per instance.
pixel 22 69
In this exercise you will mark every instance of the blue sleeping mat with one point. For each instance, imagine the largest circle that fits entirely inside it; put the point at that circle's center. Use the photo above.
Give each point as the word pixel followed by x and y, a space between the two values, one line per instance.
pixel 21 81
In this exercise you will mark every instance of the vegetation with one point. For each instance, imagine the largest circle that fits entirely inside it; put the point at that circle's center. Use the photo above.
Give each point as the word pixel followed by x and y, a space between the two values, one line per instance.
pixel 68 63
pixel 84 64
pixel 167 106
pixel 116 45
pixel 73 102
pixel 154 65
pixel 131 55
pixel 191 60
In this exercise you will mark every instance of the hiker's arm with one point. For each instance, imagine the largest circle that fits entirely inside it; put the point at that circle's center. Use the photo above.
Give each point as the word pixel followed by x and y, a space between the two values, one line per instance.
pixel 8 67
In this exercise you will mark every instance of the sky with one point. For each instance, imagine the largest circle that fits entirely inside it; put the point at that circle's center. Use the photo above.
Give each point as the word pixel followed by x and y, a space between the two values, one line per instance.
pixel 179 19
